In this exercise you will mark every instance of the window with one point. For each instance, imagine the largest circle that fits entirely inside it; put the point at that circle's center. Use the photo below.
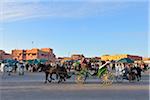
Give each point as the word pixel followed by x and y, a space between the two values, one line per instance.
pixel 34 54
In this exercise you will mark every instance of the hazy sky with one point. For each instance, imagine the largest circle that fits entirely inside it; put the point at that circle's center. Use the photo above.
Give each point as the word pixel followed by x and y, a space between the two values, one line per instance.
pixel 92 27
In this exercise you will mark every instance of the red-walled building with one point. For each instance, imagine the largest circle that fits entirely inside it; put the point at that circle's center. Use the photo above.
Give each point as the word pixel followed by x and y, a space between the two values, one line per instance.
pixel 44 53
pixel 4 55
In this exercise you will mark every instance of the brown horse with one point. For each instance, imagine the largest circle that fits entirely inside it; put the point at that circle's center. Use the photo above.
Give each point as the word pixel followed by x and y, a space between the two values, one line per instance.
pixel 60 72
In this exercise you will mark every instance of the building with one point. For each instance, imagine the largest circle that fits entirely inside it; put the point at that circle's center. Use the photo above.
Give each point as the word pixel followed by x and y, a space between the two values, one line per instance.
pixel 35 53
pixel 146 59
pixel 4 55
pixel 73 57
pixel 63 59
pixel 77 56
pixel 117 57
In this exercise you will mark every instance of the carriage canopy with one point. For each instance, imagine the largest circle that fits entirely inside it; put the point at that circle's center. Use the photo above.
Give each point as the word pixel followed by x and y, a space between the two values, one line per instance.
pixel 125 60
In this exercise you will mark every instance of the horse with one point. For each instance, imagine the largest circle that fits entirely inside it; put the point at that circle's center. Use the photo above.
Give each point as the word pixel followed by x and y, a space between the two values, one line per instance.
pixel 136 71
pixel 132 74
pixel 60 72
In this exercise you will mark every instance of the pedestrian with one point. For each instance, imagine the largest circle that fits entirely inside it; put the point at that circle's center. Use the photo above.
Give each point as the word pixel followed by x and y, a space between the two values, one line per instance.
pixel 27 67
pixel 139 70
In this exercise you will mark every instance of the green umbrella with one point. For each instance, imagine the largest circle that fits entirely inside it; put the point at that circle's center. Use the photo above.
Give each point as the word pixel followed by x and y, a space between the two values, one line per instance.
pixel 36 61
pixel 125 60
pixel 30 61
pixel 43 60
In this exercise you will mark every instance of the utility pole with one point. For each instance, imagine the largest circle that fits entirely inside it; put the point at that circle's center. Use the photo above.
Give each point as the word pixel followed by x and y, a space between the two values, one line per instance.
pixel 32 43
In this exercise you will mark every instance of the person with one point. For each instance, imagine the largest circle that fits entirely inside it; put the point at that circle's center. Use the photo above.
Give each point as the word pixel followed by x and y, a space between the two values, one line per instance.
pixel 84 64
pixel 27 66
pixel 139 70
pixel 2 67
pixel 15 67
pixel 133 69
pixel 34 67
pixel 77 66
pixel 22 69
pixel 145 67
pixel 109 69
pixel 132 73
pixel 84 68
pixel 31 68
pixel 126 72
pixel 68 66
pixel 117 69
pixel 102 69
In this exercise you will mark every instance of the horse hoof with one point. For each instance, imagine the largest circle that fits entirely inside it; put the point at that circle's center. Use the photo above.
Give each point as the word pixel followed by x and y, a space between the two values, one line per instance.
pixel 49 81
pixel 45 82
pixel 58 82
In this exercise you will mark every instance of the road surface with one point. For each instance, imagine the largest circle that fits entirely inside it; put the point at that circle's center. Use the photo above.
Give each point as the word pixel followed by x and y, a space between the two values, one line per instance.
pixel 31 87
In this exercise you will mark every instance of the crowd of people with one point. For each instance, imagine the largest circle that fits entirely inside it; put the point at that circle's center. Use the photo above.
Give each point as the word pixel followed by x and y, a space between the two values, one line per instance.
pixel 119 68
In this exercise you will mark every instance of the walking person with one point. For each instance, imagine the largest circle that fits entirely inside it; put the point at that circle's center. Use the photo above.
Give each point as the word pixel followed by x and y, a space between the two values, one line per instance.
pixel 139 70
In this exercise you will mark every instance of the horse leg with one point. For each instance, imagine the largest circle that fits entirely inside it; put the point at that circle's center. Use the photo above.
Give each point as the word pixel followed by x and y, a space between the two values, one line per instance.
pixel 51 76
pixel 46 76
pixel 86 76
pixel 140 76
pixel 60 78
pixel 130 77
pixel 64 79
pixel 57 76
pixel 137 77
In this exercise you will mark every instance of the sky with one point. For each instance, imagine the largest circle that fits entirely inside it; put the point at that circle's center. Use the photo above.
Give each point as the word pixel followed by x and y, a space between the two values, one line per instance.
pixel 89 27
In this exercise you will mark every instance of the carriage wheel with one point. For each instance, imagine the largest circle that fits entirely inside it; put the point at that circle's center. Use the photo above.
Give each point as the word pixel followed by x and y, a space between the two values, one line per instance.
pixel 119 78
pixel 80 79
pixel 107 79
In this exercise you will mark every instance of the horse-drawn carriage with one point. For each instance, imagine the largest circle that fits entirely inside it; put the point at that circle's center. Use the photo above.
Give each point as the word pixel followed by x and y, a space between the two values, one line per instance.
pixel 103 73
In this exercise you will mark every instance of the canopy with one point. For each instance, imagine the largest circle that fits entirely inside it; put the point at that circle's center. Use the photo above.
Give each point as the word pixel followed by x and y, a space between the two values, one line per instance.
pixel 125 60
pixel 10 61
pixel 30 61
pixel 43 60
pixel 37 61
